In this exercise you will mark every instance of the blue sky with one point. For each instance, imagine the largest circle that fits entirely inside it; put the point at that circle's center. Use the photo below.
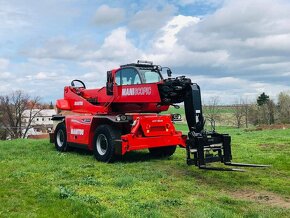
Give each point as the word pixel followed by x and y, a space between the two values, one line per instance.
pixel 233 49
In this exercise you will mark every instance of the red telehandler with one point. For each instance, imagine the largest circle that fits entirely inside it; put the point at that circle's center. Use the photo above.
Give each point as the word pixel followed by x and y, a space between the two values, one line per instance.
pixel 125 116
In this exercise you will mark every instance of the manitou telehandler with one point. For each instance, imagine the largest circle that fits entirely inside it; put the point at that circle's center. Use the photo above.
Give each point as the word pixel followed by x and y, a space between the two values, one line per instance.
pixel 125 116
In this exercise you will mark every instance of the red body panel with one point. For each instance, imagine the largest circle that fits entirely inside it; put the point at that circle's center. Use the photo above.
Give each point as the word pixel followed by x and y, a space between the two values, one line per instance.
pixel 125 99
pixel 78 129
pixel 77 103
pixel 152 131
pixel 148 131
pixel 139 93
pixel 131 143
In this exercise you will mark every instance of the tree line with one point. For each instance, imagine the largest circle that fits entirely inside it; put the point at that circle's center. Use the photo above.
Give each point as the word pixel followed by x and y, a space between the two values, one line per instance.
pixel 261 111
pixel 243 113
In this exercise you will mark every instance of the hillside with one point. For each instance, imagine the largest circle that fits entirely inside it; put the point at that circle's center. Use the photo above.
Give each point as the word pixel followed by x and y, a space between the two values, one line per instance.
pixel 37 181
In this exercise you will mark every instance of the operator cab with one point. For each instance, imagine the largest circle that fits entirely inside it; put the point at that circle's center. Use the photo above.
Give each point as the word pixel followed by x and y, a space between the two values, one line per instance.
pixel 140 73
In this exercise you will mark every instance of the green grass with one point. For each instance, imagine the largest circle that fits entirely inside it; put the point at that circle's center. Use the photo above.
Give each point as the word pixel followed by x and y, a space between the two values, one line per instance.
pixel 220 110
pixel 37 181
pixel 225 115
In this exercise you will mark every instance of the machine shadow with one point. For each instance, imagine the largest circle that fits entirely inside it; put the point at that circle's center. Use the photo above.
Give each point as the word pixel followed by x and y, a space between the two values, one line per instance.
pixel 138 156
pixel 130 157
pixel 80 151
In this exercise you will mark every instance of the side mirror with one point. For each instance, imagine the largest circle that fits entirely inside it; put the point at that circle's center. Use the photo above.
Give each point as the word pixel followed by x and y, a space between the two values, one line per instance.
pixel 169 73
pixel 110 83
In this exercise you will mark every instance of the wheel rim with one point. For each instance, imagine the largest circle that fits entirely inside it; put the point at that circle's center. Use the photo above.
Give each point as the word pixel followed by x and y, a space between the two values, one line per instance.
pixel 60 138
pixel 102 144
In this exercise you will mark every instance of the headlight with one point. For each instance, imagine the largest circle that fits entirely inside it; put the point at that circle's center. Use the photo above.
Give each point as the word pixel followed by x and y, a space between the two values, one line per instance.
pixel 176 117
pixel 122 117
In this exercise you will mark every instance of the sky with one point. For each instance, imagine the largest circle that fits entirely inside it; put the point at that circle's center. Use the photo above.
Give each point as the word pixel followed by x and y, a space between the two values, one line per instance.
pixel 232 48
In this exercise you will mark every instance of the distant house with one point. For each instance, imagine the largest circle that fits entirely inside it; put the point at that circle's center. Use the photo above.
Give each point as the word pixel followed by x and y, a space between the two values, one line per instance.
pixel 41 123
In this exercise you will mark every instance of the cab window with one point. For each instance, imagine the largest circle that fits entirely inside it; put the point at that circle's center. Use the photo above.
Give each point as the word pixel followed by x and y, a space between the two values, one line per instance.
pixel 150 76
pixel 127 76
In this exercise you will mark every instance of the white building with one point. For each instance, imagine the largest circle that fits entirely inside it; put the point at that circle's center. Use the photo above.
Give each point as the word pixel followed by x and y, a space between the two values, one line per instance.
pixel 41 123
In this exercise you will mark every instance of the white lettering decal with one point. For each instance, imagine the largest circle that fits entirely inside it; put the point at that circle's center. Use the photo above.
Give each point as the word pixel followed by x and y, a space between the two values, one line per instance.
pixel 136 91
pixel 157 121
pixel 77 132
pixel 78 103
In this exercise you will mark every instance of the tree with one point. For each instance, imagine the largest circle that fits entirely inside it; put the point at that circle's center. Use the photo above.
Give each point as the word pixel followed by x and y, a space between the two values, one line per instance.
pixel 246 111
pixel 262 99
pixel 266 109
pixel 284 107
pixel 212 110
pixel 12 107
pixel 51 105
pixel 271 111
pixel 238 113
pixel 253 114
pixel 32 111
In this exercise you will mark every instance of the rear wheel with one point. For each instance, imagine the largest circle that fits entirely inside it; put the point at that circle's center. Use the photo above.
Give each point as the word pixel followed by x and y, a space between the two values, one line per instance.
pixel 104 143
pixel 166 151
pixel 60 140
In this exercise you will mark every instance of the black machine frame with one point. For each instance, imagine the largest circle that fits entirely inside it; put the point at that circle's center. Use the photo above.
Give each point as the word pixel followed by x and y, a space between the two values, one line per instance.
pixel 206 147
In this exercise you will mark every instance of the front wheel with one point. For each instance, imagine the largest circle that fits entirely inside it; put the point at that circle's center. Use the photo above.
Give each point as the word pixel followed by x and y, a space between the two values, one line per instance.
pixel 166 151
pixel 60 139
pixel 104 143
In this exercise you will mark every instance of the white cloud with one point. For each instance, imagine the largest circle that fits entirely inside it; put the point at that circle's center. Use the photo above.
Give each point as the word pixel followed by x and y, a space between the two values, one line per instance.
pixel 286 74
pixel 241 49
pixel 46 76
pixel 244 38
pixel 61 48
pixel 151 19
pixel 106 15
pixel 116 47
pixel 168 39
pixel 271 43
pixel 166 48
pixel 55 48
pixel 4 63
pixel 6 76
pixel 12 17
pixel 196 2
pixel 235 88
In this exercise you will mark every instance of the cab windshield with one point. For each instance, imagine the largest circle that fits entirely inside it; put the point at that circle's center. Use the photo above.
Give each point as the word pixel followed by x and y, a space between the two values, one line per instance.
pixel 150 76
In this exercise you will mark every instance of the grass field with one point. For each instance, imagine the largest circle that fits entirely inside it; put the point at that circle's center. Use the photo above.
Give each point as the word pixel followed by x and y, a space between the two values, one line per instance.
pixel 37 181
pixel 226 114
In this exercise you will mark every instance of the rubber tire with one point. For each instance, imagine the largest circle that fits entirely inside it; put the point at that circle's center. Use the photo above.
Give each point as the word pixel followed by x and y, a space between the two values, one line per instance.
pixel 111 134
pixel 64 146
pixel 163 151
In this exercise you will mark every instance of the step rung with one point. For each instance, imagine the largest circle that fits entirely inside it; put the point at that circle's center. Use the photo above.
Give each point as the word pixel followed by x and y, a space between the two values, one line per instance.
pixel 206 149
pixel 219 145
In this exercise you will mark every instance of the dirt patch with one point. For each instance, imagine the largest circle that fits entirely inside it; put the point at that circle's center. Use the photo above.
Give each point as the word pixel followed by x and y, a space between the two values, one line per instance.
pixel 262 197
pixel 42 136
pixel 280 146
pixel 274 126
pixel 268 127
